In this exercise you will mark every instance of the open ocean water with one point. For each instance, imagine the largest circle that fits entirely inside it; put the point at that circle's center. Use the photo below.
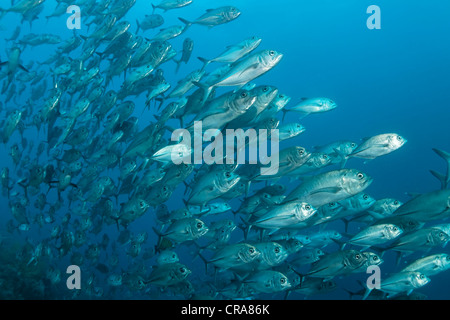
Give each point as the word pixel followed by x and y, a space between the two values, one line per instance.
pixel 389 80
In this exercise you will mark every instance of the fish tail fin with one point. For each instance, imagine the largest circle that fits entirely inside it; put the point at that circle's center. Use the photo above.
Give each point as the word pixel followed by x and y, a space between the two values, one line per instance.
pixel 206 62
pixel 178 66
pixel 443 154
pixel 138 25
pixel 367 293
pixel 186 22
pixel 246 227
pixel 446 156
pixel 205 261
pixel 442 178
pixel 154 8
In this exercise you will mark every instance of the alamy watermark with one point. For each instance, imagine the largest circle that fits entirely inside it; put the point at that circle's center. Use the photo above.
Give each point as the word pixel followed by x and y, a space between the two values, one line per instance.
pixel 190 149
pixel 374 21
pixel 74 21
pixel 74 280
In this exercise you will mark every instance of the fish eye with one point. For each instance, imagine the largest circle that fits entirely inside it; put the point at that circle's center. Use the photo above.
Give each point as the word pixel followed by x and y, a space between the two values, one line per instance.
pixel 307 207
pixel 332 204
pixel 358 256
pixel 441 234
pixel 396 202
pixel 353 145
pixel 199 225
pixel 243 94
pixel 277 250
pixel 365 197
pixel 395 228
pixel 271 53
pixel 360 175
pixel 282 280
pixel 251 250
pixel 183 270
pixel 265 89
pixel 399 138
pixel 228 174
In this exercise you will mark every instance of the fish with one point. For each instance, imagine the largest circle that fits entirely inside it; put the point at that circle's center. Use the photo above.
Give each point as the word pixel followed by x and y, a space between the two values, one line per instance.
pixel 171 4
pixel 331 186
pixel 402 282
pixel 245 70
pixel 234 52
pixel 151 21
pixel 188 47
pixel 268 281
pixel 378 145
pixel 337 263
pixel 375 235
pixel 311 106
pixel 233 256
pixel 429 265
pixel 215 17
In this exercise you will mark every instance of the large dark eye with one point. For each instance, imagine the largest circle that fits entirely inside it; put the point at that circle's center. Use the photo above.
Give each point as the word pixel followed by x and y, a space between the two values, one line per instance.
pixel 332 204
pixel 199 225
pixel 360 175
pixel 307 207
pixel 365 197
pixel 375 258
pixel 394 228
pixel 353 145
pixel 277 250
pixel 271 53
pixel 265 89
pixel 182 270
pixel 395 202
pixel 282 280
pixel 251 250
pixel 399 138
pixel 243 94
pixel 358 256
pixel 228 175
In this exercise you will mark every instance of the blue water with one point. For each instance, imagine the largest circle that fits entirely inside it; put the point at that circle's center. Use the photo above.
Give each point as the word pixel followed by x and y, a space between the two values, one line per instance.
pixel 394 79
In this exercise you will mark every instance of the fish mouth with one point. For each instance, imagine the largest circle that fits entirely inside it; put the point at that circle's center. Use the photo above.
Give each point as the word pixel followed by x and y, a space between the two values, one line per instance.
pixel 277 58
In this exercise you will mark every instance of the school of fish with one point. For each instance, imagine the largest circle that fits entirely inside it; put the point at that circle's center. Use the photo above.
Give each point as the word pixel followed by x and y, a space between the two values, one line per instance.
pixel 86 171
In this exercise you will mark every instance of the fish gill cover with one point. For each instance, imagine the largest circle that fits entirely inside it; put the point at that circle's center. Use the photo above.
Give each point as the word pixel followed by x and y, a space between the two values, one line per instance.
pixel 224 150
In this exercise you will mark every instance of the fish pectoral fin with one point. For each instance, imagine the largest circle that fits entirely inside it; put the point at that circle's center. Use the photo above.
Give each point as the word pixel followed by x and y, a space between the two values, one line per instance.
pixel 253 66
pixel 327 190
